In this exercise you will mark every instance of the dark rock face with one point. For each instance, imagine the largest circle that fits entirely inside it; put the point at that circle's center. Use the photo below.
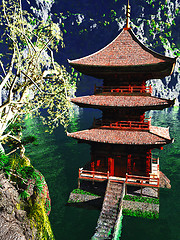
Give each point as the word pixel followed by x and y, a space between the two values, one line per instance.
pixel 14 223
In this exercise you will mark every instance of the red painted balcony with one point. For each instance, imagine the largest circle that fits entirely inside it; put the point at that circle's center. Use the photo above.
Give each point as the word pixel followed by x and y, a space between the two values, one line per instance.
pixel 93 175
pixel 123 89
pixel 126 125
pixel 142 181
pixel 139 181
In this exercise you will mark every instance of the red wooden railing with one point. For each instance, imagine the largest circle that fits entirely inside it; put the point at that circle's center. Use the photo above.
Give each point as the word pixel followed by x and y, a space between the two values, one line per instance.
pixel 130 179
pixel 123 89
pixel 142 181
pixel 123 124
pixel 93 175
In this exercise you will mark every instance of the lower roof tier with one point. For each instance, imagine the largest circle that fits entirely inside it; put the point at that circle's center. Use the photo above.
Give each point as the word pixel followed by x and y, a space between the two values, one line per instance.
pixel 157 136
pixel 140 102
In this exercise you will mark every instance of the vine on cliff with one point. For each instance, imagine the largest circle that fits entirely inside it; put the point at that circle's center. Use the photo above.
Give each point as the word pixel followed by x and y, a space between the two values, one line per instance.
pixel 33 192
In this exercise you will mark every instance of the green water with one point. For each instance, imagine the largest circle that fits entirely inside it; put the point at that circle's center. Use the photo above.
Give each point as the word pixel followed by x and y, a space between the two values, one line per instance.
pixel 59 157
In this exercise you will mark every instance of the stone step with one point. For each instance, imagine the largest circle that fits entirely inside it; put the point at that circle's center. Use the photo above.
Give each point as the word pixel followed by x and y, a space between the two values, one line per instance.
pixel 107 219
pixel 114 189
pixel 113 193
pixel 106 224
pixel 109 212
pixel 112 201
pixel 107 208
pixel 108 205
pixel 103 228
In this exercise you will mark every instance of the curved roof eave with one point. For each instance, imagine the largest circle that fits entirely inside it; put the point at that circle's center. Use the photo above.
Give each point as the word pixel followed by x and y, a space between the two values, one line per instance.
pixel 158 55
pixel 79 62
pixel 129 137
pixel 103 102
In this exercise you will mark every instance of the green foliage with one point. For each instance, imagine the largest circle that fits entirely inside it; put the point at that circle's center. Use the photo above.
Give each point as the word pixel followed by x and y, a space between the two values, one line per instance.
pixel 141 199
pixel 15 127
pixel 110 232
pixel 4 160
pixel 19 172
pixel 161 25
pixel 24 195
pixel 39 219
pixel 37 209
pixel 80 191
pixel 140 213
pixel 30 76
pixel 29 139
pixel 4 163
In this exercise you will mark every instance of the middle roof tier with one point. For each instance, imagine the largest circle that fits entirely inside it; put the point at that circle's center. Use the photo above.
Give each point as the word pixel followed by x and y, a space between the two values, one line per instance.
pixel 140 102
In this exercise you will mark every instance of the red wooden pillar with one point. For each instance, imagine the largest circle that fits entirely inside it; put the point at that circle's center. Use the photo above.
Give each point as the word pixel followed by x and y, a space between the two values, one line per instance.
pixel 142 117
pixel 92 162
pixel 129 168
pixel 111 166
pixel 148 163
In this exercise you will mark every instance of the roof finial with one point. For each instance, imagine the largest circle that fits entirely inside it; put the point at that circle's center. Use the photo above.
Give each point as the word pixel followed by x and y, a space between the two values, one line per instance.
pixel 127 16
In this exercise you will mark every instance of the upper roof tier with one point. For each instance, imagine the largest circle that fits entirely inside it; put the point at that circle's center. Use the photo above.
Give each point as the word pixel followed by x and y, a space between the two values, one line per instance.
pixel 135 102
pixel 125 55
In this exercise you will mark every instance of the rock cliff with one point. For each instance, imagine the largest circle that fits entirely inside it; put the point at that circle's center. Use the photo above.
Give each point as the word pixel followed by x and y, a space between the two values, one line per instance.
pixel 14 223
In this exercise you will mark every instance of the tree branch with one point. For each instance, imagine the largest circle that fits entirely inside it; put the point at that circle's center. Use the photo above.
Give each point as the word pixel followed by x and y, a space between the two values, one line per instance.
pixel 32 81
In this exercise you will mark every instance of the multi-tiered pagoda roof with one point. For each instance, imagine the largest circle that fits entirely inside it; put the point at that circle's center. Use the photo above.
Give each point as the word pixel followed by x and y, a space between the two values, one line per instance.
pixel 125 54
pixel 125 64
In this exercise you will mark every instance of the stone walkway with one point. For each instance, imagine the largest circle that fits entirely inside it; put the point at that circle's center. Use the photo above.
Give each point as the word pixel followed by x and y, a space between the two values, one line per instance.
pixel 110 211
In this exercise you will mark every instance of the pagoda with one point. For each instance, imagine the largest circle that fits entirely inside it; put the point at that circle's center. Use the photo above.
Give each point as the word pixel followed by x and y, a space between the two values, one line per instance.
pixel 122 140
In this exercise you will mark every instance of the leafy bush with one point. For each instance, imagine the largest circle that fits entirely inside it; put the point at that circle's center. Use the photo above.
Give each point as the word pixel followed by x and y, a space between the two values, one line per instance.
pixel 140 213
pixel 29 139
pixel 141 199
pixel 80 191
pixel 4 163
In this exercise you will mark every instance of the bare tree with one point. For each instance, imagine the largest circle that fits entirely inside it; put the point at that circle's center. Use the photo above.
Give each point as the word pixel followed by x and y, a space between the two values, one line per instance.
pixel 30 78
